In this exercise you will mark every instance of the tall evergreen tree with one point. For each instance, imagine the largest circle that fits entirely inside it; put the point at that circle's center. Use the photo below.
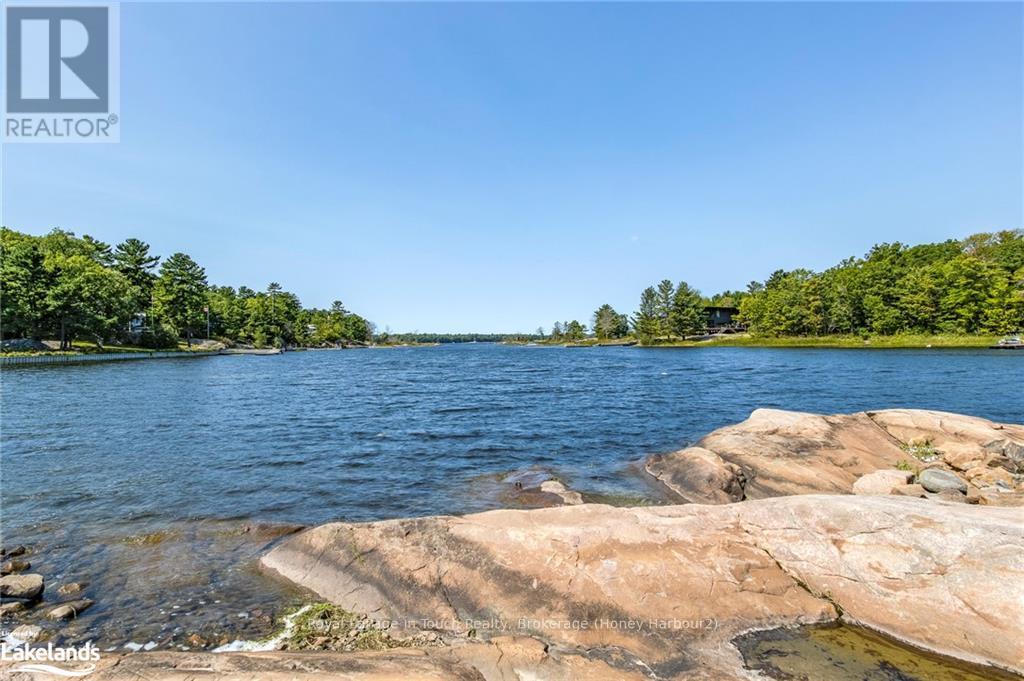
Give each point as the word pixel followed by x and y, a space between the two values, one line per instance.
pixel 132 259
pixel 687 316
pixel 645 320
pixel 179 295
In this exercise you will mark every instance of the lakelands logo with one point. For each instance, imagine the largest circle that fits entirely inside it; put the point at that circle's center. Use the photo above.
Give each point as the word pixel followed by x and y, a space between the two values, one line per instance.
pixel 62 75
pixel 73 662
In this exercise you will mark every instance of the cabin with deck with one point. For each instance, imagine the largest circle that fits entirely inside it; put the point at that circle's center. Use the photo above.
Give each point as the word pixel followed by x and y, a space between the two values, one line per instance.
pixel 723 319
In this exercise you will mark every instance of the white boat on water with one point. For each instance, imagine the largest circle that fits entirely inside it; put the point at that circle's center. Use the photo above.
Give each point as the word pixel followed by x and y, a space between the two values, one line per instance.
pixel 1009 343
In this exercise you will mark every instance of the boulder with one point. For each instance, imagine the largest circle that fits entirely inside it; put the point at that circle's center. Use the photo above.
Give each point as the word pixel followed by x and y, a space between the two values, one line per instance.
pixel 939 480
pixel 69 610
pixel 882 482
pixel 21 587
pixel 669 587
pixel 23 345
pixel 914 490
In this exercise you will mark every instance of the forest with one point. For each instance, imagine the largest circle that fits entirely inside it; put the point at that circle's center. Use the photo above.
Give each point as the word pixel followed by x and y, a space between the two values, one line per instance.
pixel 968 286
pixel 78 288
pixel 59 286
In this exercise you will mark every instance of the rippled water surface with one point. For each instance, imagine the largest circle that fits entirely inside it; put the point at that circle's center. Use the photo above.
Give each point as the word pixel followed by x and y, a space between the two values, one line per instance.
pixel 96 456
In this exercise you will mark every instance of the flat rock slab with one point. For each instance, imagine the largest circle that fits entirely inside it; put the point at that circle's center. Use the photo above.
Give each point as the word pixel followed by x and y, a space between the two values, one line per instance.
pixel 502 658
pixel 667 587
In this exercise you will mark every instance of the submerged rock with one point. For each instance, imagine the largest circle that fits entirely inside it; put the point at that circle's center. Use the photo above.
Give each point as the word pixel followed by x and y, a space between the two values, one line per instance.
pixel 69 610
pixel 71 588
pixel 14 566
pixel 668 587
pixel 536 488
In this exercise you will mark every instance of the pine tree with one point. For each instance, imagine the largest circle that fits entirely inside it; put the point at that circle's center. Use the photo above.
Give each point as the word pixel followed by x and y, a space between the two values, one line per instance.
pixel 179 295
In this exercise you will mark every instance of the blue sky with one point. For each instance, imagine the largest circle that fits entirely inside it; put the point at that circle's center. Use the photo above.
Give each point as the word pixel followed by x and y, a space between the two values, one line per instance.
pixel 496 167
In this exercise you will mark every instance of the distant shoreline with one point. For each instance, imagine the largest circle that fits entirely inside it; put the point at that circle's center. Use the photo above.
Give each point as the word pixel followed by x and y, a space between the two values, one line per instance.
pixel 907 342
pixel 751 341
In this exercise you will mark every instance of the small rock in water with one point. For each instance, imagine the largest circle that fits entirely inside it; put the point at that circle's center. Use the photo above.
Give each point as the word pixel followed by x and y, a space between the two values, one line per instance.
pixel 132 646
pixel 11 608
pixel 71 588
pixel 27 633
pixel 937 480
pixel 68 610
pixel 16 551
pixel 196 641
pixel 13 566
pixel 555 487
pixel 21 587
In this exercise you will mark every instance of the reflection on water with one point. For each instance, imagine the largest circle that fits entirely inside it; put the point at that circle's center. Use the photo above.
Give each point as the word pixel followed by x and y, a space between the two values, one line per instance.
pixel 848 653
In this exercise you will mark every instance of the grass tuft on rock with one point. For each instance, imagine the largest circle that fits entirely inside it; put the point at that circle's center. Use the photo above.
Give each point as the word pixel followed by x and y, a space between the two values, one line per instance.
pixel 922 450
pixel 325 626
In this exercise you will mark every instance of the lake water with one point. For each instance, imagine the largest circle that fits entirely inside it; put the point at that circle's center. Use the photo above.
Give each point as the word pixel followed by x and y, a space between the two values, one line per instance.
pixel 143 478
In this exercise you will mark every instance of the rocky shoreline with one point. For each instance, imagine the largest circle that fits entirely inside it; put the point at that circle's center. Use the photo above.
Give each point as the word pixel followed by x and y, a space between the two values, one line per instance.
pixel 906 522
pixel 928 454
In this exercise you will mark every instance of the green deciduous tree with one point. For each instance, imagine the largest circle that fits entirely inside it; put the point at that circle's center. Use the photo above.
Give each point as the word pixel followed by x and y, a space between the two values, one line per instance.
pixel 608 323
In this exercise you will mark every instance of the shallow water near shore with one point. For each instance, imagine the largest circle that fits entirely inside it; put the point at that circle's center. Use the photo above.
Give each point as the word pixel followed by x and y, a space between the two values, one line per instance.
pixel 848 653
pixel 141 478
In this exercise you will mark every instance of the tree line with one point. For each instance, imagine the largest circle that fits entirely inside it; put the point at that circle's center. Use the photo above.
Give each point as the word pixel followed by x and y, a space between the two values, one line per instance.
pixel 973 285
pixel 967 286
pixel 67 287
